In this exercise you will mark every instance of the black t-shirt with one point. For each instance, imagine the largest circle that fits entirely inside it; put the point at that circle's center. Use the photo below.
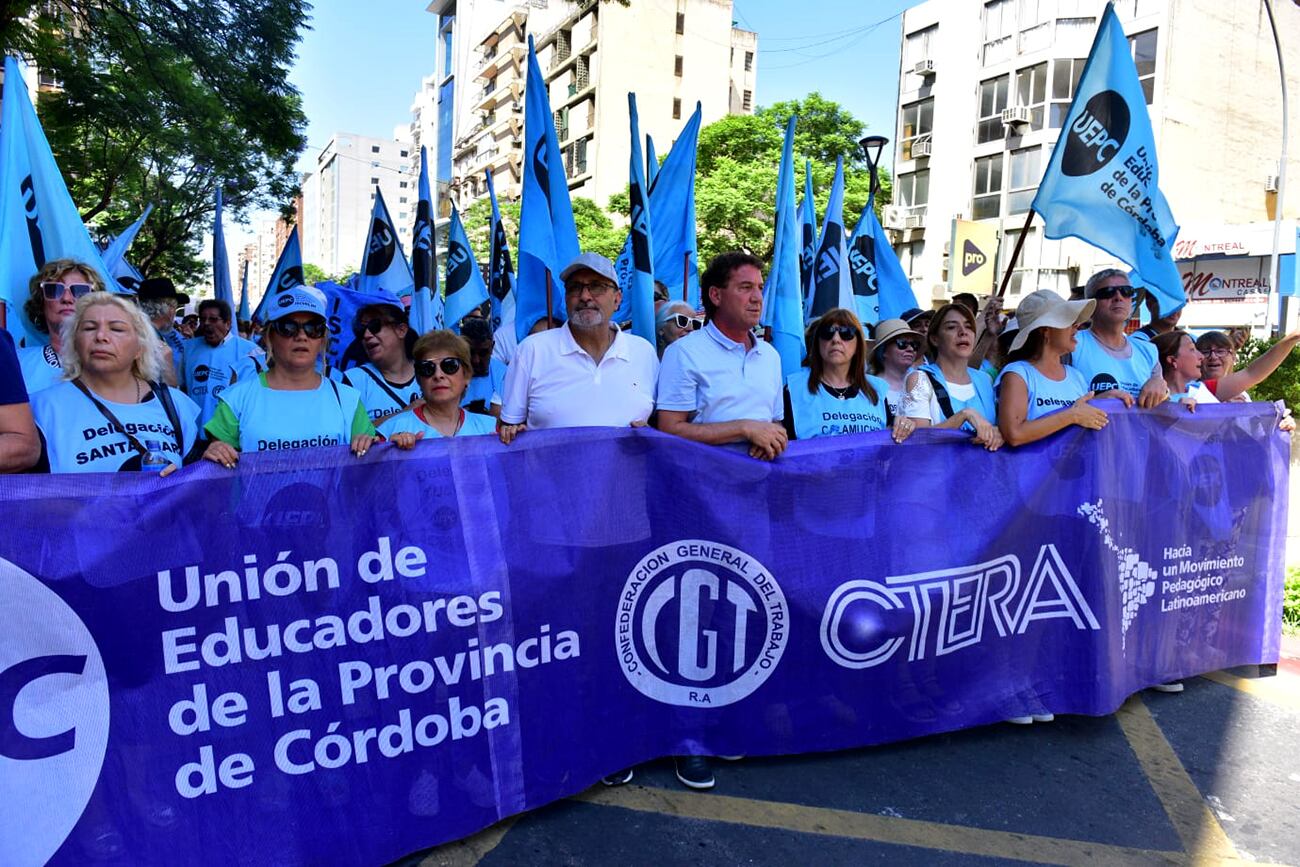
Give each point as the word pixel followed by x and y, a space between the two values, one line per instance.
pixel 12 388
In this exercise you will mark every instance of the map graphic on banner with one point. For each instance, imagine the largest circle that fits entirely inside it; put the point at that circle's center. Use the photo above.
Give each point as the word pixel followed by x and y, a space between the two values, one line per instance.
pixel 296 667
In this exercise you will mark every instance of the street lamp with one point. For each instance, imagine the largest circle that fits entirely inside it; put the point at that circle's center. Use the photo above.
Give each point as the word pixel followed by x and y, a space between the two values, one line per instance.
pixel 872 146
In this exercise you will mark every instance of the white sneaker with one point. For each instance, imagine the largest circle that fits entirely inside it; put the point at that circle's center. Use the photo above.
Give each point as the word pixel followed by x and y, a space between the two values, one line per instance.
pixel 1020 720
pixel 1171 686
pixel 1042 717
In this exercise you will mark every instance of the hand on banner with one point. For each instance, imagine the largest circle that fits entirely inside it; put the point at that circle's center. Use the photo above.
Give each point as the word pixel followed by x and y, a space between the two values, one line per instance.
pixel 986 434
pixel 1127 399
pixel 767 439
pixel 1154 393
pixel 361 444
pixel 508 432
pixel 903 427
pixel 1190 403
pixel 1086 415
pixel 221 453
pixel 1287 423
pixel 406 441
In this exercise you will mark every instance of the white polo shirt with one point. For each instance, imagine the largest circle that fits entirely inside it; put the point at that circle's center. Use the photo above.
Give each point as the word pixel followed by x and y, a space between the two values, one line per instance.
pixel 709 374
pixel 553 382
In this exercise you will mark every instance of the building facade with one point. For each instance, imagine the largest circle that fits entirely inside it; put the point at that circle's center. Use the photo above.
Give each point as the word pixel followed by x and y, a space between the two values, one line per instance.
pixel 985 86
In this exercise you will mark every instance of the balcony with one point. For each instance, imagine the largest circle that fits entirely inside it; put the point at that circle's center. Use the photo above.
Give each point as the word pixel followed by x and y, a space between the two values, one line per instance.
pixel 507 60
pixel 498 93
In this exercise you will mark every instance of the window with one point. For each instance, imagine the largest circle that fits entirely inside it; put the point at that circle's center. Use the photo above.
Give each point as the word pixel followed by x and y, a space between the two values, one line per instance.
pixel 918 120
pixel 1031 90
pixel 1144 57
pixel 993 98
pixel 747 103
pixel 405 154
pixel 1065 80
pixel 681 23
pixel 917 46
pixel 987 201
pixel 1024 177
pixel 1035 25
pixel 403 185
pixel 999 30
pixel 909 256
pixel 580 156
pixel 402 200
pixel 677 66
pixel 677 109
pixel 749 61
pixel 374 180
pixel 374 149
pixel 446 24
pixel 913 189
pixel 401 215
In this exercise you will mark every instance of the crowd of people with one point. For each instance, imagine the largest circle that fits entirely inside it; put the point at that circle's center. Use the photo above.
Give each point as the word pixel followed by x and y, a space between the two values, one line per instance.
pixel 124 385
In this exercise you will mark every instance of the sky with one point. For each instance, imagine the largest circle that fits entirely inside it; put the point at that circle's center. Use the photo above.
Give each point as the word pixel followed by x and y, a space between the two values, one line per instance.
pixel 360 64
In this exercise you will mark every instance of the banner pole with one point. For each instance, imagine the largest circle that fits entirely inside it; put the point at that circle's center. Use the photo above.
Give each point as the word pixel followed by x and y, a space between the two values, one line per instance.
pixel 1015 254
pixel 549 324
pixel 686 275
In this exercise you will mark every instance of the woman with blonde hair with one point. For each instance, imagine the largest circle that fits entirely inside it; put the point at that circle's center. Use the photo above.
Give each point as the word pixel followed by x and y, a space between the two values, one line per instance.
pixel 113 413
pixel 443 371
pixel 52 296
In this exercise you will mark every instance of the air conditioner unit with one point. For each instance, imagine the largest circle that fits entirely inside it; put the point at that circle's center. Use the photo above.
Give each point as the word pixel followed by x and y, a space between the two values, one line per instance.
pixel 1016 115
pixel 921 149
pixel 517 107
pixel 1270 184
pixel 893 216
pixel 924 67
pixel 914 221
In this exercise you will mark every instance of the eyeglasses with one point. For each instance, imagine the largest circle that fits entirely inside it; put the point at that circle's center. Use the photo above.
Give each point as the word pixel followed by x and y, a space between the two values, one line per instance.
pixel 1218 352
pixel 289 328
pixel 54 291
pixel 902 344
pixel 596 290
pixel 684 322
pixel 845 332
pixel 374 326
pixel 1107 292
pixel 426 368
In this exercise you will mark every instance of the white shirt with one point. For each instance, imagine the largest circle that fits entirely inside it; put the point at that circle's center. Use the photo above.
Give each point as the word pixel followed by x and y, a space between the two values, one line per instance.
pixel 717 379
pixel 553 382
pixel 920 401
pixel 505 343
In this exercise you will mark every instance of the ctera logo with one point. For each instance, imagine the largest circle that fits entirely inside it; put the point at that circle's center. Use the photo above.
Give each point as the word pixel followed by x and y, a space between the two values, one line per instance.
pixel 1096 135
pixel 700 624
pixel 54 713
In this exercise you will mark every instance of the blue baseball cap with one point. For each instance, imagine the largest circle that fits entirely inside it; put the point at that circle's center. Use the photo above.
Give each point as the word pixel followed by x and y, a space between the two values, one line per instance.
pixel 382 298
pixel 300 299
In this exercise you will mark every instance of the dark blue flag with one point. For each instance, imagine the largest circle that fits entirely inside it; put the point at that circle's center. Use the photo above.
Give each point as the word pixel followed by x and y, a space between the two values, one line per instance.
pixel 640 288
pixel 501 271
pixel 221 287
pixel 881 289
pixel 832 283
pixel 426 304
pixel 807 235
pixel 464 284
pixel 286 277
pixel 244 314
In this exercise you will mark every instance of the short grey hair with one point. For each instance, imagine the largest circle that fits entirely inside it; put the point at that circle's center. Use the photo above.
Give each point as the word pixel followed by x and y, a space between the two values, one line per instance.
pixel 1104 274
pixel 668 310
pixel 147 367
pixel 154 307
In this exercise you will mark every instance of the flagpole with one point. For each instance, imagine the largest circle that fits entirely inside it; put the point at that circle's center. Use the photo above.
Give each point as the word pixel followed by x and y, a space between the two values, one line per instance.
pixel 1015 254
pixel 1281 193
pixel 549 324
pixel 686 276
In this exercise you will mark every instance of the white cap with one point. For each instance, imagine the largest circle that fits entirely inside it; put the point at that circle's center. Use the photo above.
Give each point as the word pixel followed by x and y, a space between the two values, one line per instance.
pixel 1046 309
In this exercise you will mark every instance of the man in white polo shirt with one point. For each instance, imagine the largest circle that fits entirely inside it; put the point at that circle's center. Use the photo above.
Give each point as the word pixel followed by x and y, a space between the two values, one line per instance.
pixel 586 373
pixel 722 384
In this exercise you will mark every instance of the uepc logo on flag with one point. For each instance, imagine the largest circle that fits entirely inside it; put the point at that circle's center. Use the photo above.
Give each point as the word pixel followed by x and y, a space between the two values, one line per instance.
pixel 700 624
pixel 54 714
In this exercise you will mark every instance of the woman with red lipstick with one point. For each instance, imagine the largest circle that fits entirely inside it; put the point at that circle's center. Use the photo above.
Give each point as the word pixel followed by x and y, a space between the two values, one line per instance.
pixel 443 371
pixel 942 392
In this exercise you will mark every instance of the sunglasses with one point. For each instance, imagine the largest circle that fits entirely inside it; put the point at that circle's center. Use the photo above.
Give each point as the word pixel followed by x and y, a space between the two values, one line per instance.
pixel 450 366
pixel 374 326
pixel 1107 292
pixel 684 322
pixel 54 291
pixel 289 328
pixel 902 344
pixel 596 290
pixel 845 332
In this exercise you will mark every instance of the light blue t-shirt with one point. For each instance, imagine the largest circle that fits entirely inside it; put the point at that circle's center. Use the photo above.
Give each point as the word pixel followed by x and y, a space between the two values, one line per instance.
pixel 209 370
pixel 1103 371
pixel 1046 396
pixel 822 414
pixel 983 401
pixel 409 422
pixel 273 419
pixel 80 439
pixel 717 379
pixel 41 367
pixel 489 387
pixel 378 394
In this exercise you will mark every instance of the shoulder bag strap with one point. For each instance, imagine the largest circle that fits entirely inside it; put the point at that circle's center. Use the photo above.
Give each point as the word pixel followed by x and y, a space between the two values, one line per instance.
pixel 111 419
pixel 383 383
pixel 164 397
pixel 940 394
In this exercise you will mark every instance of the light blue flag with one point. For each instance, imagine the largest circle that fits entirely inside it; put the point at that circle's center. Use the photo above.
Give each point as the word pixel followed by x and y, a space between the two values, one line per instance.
pixel 640 288
pixel 880 286
pixel 651 163
pixel 342 302
pixel 1102 184
pixel 426 302
pixel 38 220
pixel 548 240
pixel 783 294
pixel 221 287
pixel 464 281
pixel 286 277
pixel 245 314
pixel 832 282
pixel 807 235
pixel 384 267
pixel 501 272
pixel 115 250
pixel 1287 268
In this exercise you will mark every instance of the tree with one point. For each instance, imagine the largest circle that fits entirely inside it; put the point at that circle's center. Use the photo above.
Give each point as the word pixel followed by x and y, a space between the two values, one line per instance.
pixel 596 231
pixel 159 101
pixel 737 163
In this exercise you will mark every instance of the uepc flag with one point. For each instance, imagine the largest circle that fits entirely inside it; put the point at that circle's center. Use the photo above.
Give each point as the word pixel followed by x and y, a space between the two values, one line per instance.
pixel 1102 183
pixel 548 239
pixel 244 313
pixel 426 303
pixel 881 289
pixel 286 277
pixel 38 220
pixel 221 287
pixel 501 272
pixel 464 283
pixel 115 251
pixel 640 287
pixel 783 294
pixel 383 264
pixel 832 282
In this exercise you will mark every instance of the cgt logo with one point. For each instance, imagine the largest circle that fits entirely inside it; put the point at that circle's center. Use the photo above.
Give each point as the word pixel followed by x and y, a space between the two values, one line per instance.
pixel 54 717
pixel 700 624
